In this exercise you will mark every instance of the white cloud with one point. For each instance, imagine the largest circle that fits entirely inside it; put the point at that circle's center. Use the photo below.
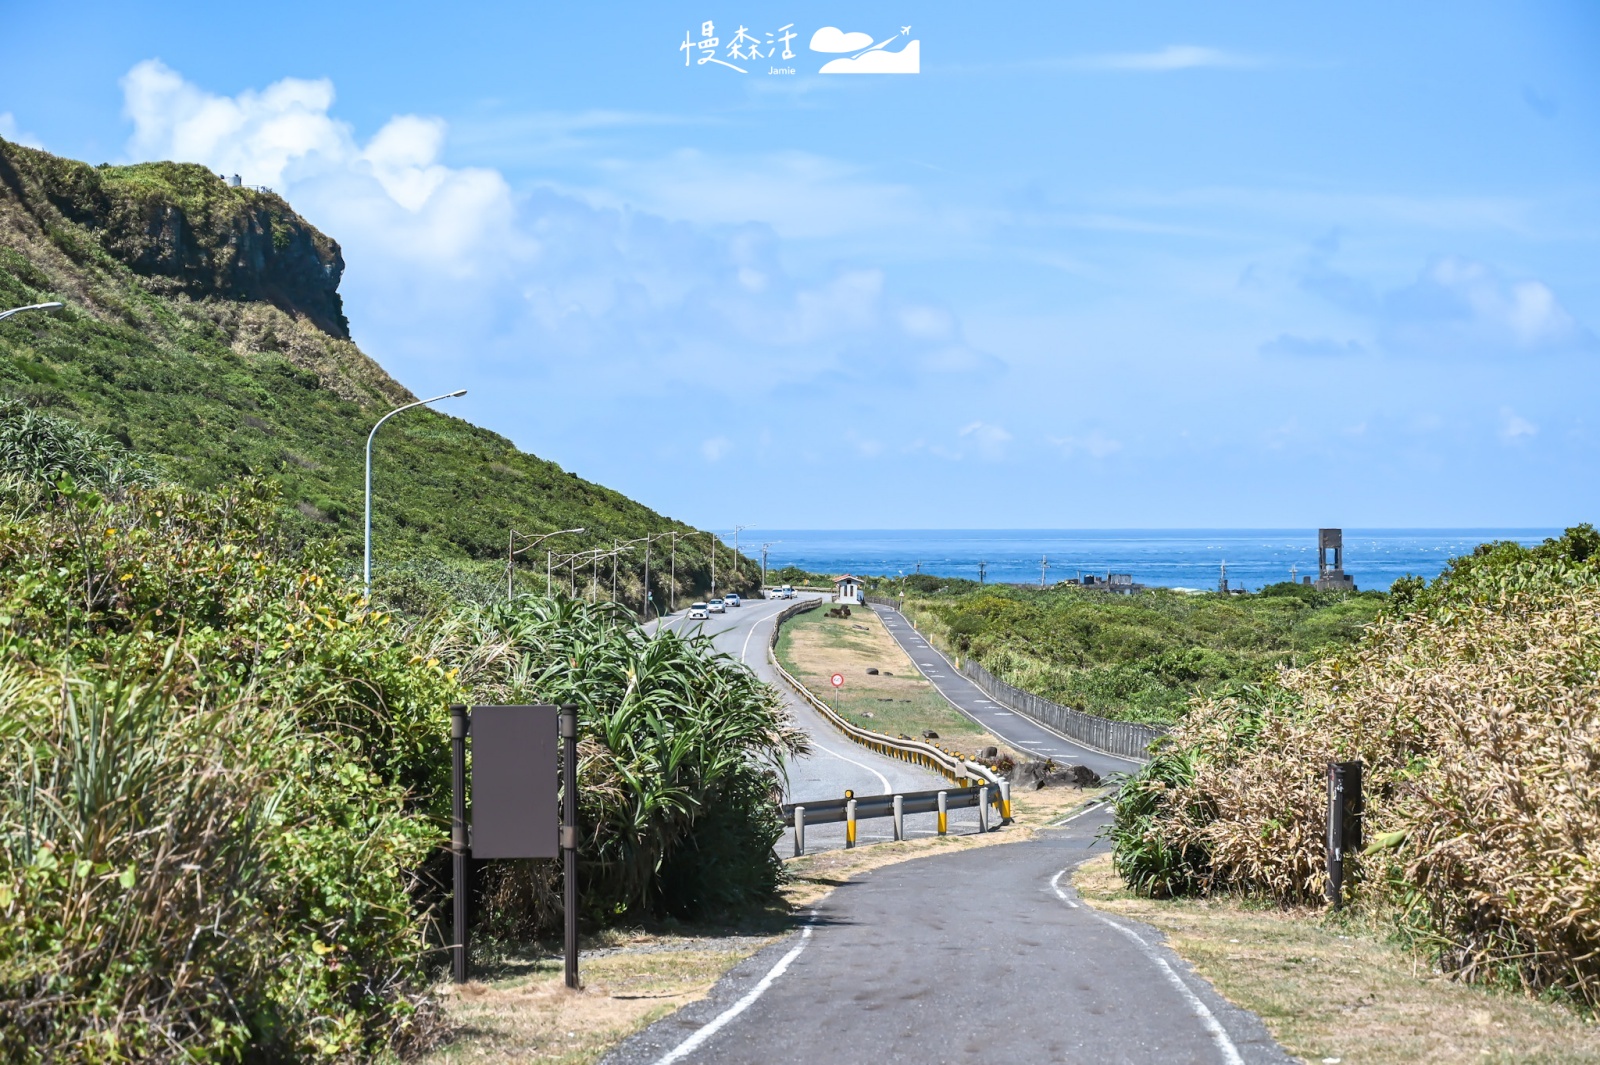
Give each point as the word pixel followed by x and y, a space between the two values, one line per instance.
pixel 1514 428
pixel 444 260
pixel 833 39
pixel 990 440
pixel 1172 57
pixel 391 194
pixel 1095 444
pixel 1459 306
pixel 715 448
pixel 11 132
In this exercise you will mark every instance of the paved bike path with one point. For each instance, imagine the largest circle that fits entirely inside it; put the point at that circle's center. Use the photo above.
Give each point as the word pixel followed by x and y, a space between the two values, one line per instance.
pixel 982 956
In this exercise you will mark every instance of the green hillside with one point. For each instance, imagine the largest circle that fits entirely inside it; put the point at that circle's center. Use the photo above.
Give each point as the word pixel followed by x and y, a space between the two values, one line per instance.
pixel 204 331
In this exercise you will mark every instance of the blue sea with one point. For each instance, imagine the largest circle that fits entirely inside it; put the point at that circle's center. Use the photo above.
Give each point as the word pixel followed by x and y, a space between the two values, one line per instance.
pixel 1174 558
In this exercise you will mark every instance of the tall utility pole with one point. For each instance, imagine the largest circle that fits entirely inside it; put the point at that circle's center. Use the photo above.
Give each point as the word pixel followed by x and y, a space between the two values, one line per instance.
pixel 983 567
pixel 672 582
pixel 764 548
pixel 1044 564
pixel 713 564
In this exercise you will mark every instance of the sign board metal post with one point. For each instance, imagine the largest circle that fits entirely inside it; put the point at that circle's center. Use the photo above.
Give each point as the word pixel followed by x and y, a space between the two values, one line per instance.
pixel 513 768
pixel 458 841
pixel 569 835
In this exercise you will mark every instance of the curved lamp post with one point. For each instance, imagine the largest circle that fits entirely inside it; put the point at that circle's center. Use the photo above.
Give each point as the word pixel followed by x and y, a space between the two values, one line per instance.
pixel 30 307
pixel 512 551
pixel 366 567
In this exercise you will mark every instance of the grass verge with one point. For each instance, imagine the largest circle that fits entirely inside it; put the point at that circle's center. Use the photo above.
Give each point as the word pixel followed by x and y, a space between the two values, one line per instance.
pixel 897 700
pixel 1333 990
pixel 521 1012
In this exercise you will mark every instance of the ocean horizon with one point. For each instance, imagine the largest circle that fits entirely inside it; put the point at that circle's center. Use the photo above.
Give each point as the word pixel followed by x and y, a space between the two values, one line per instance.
pixel 1171 558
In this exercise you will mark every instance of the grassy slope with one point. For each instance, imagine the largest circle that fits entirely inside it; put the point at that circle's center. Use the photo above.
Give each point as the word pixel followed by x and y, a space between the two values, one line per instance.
pixel 214 386
pixel 813 646
pixel 1141 657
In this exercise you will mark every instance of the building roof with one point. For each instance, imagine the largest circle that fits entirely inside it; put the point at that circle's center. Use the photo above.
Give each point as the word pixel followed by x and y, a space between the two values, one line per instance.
pixel 848 577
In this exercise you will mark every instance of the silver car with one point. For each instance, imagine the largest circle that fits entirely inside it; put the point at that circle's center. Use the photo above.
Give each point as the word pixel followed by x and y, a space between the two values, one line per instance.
pixel 716 607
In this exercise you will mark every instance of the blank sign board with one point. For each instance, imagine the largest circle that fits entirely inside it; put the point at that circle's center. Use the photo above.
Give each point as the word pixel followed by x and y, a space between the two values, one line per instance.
pixel 515 812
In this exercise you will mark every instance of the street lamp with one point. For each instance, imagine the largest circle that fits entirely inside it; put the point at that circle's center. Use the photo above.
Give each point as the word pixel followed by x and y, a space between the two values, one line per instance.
pixel 30 307
pixel 366 567
pixel 736 530
pixel 512 551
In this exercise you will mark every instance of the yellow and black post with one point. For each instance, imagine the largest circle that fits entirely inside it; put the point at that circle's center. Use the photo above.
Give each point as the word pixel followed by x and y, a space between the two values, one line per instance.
pixel 849 818
pixel 944 816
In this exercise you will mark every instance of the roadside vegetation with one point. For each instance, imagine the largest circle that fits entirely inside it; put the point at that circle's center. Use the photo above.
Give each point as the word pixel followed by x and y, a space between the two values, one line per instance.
pixel 224 779
pixel 1474 705
pixel 1142 657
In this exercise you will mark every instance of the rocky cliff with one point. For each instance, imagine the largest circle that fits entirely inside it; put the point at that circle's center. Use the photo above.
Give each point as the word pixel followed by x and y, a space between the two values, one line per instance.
pixel 186 230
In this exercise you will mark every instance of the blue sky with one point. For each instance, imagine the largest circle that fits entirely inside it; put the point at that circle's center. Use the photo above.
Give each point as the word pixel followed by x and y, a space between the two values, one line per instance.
pixel 1093 266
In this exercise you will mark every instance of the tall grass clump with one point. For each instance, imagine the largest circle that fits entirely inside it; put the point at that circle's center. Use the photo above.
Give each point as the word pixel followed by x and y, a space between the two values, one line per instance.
pixel 1475 707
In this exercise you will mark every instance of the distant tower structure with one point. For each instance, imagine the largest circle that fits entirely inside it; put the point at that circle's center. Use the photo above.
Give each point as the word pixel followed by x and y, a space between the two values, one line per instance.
pixel 1332 577
pixel 1222 581
pixel 983 568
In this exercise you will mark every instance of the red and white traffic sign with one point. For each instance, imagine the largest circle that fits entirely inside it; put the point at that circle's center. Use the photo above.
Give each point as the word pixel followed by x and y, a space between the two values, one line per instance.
pixel 838 680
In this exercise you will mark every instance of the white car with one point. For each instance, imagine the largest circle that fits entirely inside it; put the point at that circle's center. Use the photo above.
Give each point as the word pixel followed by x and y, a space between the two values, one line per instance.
pixel 732 599
pixel 697 612
pixel 716 607
pixel 779 593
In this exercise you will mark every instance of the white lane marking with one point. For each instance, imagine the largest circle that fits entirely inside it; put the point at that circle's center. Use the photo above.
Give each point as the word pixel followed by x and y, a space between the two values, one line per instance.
pixel 1055 882
pixel 881 778
pixel 691 1044
pixel 1219 1034
pixel 744 653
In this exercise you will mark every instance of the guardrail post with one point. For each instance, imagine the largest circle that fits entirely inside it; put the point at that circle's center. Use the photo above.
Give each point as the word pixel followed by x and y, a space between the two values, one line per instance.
pixel 899 818
pixel 850 823
pixel 1005 802
pixel 983 808
pixel 799 831
pixel 944 818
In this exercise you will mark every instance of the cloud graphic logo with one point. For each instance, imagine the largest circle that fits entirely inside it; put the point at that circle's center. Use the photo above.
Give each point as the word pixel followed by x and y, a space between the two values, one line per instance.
pixel 878 61
pixel 833 39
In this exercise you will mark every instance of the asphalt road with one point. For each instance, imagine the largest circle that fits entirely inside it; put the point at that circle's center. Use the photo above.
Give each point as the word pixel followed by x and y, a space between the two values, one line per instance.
pixel 1016 729
pixel 977 956
pixel 835 763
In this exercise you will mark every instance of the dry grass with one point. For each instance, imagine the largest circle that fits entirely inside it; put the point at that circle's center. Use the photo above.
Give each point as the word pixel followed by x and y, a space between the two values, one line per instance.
pixel 1480 732
pixel 814 647
pixel 522 1012
pixel 1331 990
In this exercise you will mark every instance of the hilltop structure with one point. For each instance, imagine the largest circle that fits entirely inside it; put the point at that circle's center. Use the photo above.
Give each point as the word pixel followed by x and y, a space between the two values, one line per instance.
pixel 1331 577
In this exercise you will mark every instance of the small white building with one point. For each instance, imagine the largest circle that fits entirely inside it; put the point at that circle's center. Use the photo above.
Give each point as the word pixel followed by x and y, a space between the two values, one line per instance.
pixel 847 589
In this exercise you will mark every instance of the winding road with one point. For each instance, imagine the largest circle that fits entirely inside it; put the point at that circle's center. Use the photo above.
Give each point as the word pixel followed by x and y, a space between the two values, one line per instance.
pixel 982 955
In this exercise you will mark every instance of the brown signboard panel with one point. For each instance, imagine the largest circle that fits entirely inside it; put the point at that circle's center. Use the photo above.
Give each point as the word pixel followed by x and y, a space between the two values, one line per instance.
pixel 515 809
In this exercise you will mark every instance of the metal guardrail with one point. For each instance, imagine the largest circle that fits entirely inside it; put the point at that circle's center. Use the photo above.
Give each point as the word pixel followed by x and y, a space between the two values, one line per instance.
pixel 1122 738
pixel 851 809
pixel 927 755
